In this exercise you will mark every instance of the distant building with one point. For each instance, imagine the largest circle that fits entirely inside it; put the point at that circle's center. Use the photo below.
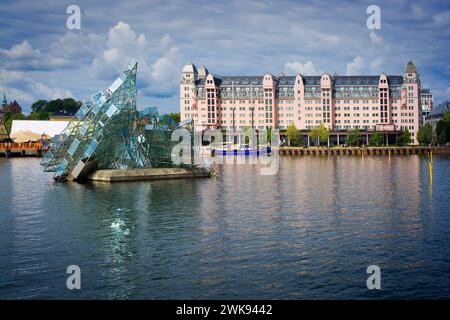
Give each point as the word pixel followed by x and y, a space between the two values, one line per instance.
pixel 438 113
pixel 341 103
pixel 12 107
pixel 62 116
pixel 426 99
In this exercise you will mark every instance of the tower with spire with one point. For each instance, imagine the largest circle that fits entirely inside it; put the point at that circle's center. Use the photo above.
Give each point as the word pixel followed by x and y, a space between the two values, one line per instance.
pixel 4 102
pixel 3 132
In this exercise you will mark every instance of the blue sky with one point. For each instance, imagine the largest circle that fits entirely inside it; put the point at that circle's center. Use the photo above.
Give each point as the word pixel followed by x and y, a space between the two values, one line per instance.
pixel 41 58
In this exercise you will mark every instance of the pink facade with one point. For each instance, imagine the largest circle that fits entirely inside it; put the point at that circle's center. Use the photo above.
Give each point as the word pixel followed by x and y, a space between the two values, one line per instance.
pixel 339 102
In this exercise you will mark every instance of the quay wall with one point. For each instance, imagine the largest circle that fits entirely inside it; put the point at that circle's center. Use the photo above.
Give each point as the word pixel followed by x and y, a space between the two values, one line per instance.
pixel 356 151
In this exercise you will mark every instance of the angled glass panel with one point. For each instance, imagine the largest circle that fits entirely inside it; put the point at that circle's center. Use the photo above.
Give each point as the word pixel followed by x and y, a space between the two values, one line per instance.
pixel 84 128
pixel 73 147
pixel 91 148
pixel 61 167
pixel 112 109
pixel 82 111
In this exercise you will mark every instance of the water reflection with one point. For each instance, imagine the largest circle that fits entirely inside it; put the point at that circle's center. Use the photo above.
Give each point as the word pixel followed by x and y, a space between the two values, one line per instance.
pixel 308 232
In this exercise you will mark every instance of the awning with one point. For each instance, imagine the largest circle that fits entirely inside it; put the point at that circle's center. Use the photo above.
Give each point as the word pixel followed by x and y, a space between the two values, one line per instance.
pixel 25 136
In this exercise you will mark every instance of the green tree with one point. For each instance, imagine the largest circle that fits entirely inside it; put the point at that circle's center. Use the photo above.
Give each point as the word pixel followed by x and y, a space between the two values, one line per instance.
pixel 269 134
pixel 9 117
pixel 59 105
pixel 54 106
pixel 440 136
pixel 446 117
pixel 70 105
pixel 425 134
pixel 38 115
pixel 443 129
pixel 354 138
pixel 404 138
pixel 294 135
pixel 441 132
pixel 320 133
pixel 377 139
pixel 38 105
pixel 175 116
pixel 247 134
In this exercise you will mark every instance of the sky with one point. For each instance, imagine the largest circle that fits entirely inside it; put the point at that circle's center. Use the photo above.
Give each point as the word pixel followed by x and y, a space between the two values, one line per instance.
pixel 40 58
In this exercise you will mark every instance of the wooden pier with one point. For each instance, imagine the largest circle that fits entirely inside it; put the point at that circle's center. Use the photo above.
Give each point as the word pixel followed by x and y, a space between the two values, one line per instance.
pixel 13 149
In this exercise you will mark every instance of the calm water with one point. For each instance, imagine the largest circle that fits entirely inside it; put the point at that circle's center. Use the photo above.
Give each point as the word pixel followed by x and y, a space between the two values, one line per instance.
pixel 308 232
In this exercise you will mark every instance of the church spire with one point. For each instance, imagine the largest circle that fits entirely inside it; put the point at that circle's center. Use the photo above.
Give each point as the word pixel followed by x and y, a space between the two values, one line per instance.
pixel 4 102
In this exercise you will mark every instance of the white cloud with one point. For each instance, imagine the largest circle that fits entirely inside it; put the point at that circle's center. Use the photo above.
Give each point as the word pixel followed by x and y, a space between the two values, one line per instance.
pixel 165 72
pixel 376 64
pixel 417 11
pixel 375 39
pixel 294 67
pixel 312 38
pixel 355 67
pixel 78 46
pixel 442 18
pixel 23 56
pixel 165 42
pixel 157 75
pixel 122 44
pixel 21 87
pixel 101 57
pixel 259 37
pixel 21 50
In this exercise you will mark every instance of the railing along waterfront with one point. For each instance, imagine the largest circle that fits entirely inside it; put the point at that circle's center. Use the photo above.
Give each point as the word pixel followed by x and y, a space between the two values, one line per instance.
pixel 361 151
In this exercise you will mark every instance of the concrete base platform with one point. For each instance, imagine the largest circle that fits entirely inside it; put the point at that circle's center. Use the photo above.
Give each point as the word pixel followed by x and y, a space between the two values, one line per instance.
pixel 115 175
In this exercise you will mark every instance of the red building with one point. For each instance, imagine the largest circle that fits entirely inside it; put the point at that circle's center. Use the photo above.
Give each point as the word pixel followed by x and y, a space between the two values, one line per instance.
pixel 12 107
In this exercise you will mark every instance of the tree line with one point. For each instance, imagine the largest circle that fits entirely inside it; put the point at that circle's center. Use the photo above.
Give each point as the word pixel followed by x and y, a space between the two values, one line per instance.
pixel 442 132
pixel 43 109
pixel 320 135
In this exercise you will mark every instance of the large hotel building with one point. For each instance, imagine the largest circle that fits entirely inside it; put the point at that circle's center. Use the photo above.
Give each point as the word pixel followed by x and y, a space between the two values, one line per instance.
pixel 370 103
